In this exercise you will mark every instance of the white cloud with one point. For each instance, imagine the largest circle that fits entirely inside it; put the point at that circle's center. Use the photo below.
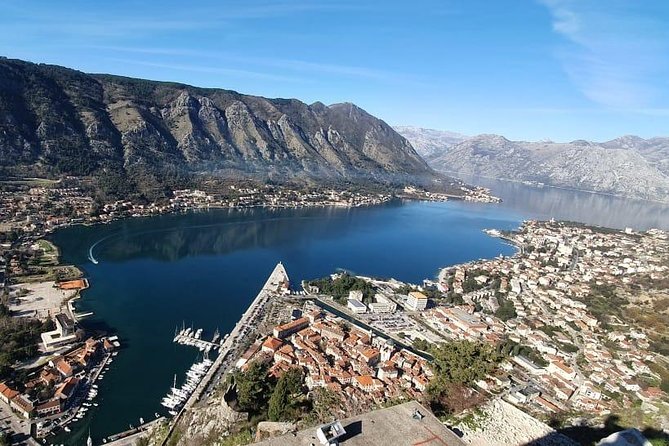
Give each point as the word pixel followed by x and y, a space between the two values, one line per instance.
pixel 293 66
pixel 195 68
pixel 614 53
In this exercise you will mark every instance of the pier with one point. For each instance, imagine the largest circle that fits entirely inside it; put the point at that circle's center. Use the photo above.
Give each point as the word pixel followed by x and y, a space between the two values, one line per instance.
pixel 130 437
pixel 188 338
pixel 276 284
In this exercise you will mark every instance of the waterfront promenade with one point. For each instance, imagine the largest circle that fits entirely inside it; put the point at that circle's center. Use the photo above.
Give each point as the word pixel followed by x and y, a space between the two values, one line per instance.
pixel 274 285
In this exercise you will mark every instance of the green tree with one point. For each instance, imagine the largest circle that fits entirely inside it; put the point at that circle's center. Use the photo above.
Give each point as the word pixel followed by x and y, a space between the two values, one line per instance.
pixel 252 387
pixel 506 310
pixel 456 366
pixel 282 403
pixel 340 287
pixel 421 344
pixel 18 340
pixel 462 362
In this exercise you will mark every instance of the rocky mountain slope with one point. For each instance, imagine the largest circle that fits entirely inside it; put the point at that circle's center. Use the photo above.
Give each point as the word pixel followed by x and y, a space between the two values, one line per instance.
pixel 429 142
pixel 56 121
pixel 628 166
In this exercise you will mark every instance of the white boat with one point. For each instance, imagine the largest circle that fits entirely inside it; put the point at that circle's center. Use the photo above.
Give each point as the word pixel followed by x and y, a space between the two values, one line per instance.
pixel 169 404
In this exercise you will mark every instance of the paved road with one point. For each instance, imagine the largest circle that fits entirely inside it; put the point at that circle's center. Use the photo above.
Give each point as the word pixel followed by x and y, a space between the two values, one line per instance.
pixel 17 428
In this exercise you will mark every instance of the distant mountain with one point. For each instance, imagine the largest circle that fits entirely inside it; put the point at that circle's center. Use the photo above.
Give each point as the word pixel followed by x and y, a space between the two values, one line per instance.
pixel 57 121
pixel 628 166
pixel 429 142
pixel 654 150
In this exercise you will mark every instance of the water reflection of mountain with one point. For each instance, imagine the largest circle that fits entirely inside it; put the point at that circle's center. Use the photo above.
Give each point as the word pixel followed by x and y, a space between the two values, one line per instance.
pixel 561 204
pixel 221 232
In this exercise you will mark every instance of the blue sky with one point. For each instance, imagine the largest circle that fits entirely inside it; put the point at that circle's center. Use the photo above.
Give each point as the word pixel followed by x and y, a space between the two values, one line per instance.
pixel 527 69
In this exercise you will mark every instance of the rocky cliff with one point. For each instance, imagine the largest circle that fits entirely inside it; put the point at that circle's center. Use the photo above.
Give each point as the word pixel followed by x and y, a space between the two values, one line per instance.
pixel 56 121
pixel 628 166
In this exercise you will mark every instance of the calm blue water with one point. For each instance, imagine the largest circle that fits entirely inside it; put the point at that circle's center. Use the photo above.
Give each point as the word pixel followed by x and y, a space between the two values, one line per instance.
pixel 205 268
pixel 603 210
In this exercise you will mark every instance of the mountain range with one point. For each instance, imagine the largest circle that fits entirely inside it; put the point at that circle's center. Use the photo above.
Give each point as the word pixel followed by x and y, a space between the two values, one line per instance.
pixel 628 166
pixel 58 121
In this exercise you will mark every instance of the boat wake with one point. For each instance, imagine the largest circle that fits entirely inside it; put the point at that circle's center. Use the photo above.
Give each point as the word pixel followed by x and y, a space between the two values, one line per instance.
pixel 91 257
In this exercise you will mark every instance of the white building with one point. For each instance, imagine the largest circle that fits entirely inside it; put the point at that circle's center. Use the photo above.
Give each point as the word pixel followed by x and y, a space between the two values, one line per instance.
pixel 416 301
pixel 382 304
pixel 356 306
pixel 63 334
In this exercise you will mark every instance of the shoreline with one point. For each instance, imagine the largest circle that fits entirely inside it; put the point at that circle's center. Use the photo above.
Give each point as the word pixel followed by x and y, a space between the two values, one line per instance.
pixel 273 285
pixel 505 237
pixel 536 185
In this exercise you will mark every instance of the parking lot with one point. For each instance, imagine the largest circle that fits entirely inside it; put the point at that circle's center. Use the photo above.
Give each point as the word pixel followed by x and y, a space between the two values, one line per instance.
pixel 42 299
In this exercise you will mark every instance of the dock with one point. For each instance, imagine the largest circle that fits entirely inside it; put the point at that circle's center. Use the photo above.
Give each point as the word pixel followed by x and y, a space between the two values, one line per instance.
pixel 201 344
pixel 276 283
pixel 130 437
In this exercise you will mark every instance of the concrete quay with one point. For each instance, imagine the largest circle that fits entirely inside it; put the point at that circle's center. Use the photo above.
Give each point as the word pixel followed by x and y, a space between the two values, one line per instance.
pixel 130 437
pixel 276 282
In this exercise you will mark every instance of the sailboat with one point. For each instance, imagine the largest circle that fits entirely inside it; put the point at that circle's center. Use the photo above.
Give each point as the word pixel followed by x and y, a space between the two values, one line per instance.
pixel 89 441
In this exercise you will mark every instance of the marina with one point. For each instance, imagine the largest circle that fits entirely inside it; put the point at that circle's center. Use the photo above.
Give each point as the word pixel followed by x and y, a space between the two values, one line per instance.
pixel 277 283
pixel 178 396
pixel 83 394
pixel 193 337
pixel 212 283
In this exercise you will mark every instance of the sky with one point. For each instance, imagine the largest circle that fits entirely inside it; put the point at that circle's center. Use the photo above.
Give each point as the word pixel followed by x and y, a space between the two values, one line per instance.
pixel 528 69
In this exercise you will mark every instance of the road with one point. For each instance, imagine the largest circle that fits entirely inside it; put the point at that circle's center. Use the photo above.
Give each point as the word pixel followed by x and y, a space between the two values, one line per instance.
pixel 16 428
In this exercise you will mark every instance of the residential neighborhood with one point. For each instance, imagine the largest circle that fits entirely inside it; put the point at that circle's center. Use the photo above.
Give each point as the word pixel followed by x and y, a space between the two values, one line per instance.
pixel 333 354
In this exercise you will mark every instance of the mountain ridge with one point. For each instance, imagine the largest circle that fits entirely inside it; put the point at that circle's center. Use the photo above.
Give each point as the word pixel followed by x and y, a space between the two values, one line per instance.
pixel 59 121
pixel 628 166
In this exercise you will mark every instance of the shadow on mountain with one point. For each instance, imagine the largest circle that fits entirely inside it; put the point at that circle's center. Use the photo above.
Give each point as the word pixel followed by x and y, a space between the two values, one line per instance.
pixel 590 435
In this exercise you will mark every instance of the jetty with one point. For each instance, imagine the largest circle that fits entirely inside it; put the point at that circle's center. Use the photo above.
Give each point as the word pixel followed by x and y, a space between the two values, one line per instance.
pixel 191 337
pixel 131 436
pixel 277 284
